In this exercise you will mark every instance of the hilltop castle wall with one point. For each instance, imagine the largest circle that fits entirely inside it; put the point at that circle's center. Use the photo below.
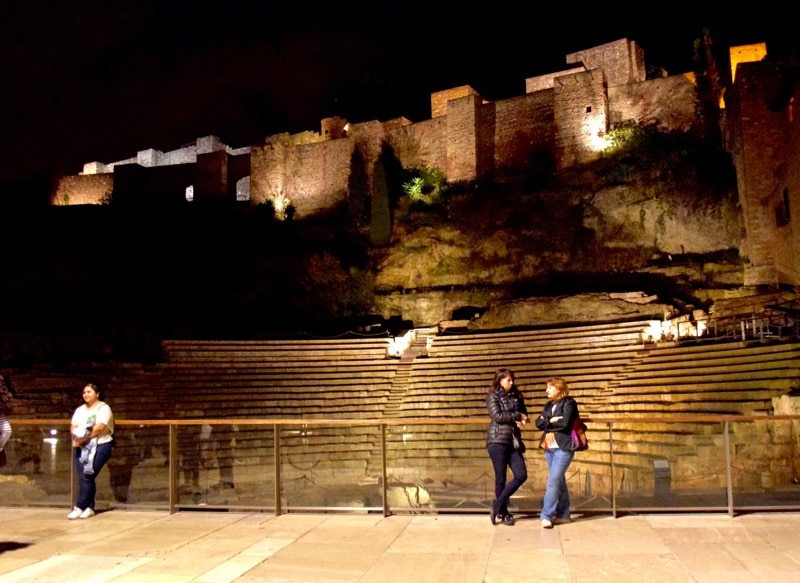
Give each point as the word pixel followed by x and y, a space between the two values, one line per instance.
pixel 563 117
pixel 420 144
pixel 669 103
pixel 523 128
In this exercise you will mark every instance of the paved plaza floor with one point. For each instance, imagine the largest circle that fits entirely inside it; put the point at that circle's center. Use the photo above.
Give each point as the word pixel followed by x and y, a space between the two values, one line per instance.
pixel 41 545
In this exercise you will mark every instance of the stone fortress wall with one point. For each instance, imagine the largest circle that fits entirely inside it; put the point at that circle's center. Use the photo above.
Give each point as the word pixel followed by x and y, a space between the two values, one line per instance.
pixel 467 137
pixel 562 115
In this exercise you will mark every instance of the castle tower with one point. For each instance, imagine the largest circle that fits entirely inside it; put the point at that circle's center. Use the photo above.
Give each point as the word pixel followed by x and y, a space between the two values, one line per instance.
pixel 758 141
pixel 580 110
pixel 621 60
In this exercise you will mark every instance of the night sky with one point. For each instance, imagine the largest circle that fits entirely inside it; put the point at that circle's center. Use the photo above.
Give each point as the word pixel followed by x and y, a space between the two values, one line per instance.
pixel 85 80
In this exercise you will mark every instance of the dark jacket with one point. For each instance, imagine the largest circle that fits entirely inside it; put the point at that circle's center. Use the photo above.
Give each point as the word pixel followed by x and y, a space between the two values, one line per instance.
pixel 567 408
pixel 504 409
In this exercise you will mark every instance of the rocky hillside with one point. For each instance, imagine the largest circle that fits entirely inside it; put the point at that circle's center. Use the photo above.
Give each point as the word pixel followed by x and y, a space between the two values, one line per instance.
pixel 647 231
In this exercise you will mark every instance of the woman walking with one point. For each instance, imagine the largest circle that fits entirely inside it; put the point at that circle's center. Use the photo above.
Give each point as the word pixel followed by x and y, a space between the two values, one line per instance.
pixel 556 422
pixel 92 440
pixel 504 441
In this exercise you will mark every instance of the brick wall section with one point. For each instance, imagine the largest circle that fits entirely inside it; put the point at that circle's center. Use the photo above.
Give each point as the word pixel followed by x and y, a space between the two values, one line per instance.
pixel 759 147
pixel 316 175
pixel 83 189
pixel 787 248
pixel 668 102
pixel 580 115
pixel 523 125
pixel 420 144
pixel 622 60
pixel 785 245
pixel 268 168
pixel 462 145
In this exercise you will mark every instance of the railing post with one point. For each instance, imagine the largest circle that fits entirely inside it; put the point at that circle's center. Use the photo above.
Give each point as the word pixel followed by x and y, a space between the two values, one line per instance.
pixel 276 440
pixel 383 471
pixel 613 472
pixel 728 473
pixel 173 468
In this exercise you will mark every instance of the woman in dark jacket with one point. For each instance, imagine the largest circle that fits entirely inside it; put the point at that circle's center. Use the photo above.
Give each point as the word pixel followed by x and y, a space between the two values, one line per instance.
pixel 556 422
pixel 508 414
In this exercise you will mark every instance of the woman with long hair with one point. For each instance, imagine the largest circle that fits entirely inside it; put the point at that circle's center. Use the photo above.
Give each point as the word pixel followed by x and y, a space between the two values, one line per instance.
pixel 504 441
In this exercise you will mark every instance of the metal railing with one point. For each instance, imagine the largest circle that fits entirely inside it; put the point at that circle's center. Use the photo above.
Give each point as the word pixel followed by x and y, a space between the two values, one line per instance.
pixel 717 463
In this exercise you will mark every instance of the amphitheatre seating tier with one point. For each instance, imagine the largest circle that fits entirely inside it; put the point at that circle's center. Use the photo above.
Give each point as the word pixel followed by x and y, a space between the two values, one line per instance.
pixel 274 350
pixel 709 359
pixel 509 342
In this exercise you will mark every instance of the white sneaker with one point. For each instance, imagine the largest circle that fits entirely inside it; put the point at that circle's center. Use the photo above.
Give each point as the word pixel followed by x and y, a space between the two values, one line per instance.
pixel 546 523
pixel 76 513
pixel 88 513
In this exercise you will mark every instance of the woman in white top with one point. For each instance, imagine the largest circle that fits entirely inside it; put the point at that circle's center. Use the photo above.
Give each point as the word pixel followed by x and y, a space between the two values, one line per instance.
pixel 92 440
pixel 5 413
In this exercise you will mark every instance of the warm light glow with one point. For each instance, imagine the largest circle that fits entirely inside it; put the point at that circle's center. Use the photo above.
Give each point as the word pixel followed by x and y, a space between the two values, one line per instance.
pixel 280 203
pixel 746 54
pixel 595 134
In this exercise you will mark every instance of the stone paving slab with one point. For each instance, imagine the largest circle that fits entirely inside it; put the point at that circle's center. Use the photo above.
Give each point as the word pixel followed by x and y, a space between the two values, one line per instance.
pixel 40 544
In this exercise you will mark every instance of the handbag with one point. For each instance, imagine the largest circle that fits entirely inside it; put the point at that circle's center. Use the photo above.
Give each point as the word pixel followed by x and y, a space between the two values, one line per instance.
pixel 579 441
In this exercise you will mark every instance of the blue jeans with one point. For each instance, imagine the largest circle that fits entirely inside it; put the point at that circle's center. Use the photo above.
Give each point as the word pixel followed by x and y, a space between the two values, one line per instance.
pixel 556 495
pixel 86 482
pixel 504 456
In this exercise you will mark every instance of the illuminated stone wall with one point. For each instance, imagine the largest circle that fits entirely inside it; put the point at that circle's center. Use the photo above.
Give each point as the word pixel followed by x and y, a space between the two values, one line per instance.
pixel 581 117
pixel 758 140
pixel 463 115
pixel 669 103
pixel 766 151
pixel 421 144
pixel 523 126
pixel 621 60
pixel 83 189
pixel 316 175
pixel 268 168
pixel 787 188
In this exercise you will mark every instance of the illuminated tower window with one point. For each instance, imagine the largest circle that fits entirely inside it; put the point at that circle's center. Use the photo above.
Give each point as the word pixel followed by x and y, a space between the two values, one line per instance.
pixel 190 193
